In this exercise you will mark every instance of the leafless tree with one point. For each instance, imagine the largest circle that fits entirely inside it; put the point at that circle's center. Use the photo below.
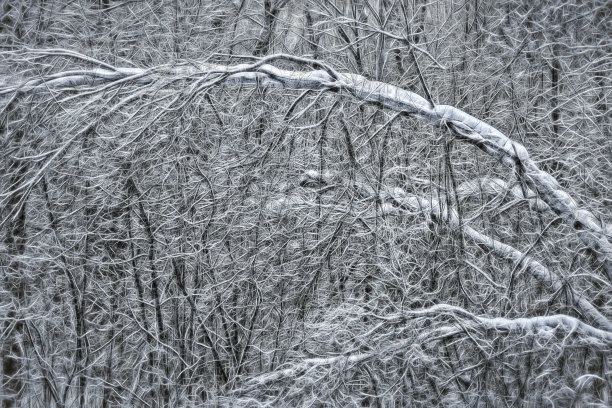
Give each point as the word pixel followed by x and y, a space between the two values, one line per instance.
pixel 305 203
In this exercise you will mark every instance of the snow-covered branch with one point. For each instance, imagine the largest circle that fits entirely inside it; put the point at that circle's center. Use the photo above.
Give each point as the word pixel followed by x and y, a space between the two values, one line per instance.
pixel 536 324
pixel 497 187
pixel 398 199
pixel 262 74
pixel 544 275
pixel 542 326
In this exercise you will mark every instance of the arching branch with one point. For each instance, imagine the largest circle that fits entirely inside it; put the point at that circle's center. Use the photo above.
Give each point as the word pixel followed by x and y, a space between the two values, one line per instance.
pixel 262 74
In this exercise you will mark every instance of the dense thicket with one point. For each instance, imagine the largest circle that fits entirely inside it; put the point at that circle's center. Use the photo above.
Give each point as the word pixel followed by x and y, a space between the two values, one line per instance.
pixel 178 233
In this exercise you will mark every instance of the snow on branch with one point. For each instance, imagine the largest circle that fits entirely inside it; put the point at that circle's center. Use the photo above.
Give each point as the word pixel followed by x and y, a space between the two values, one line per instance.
pixel 547 277
pixel 497 187
pixel 564 323
pixel 430 208
pixel 541 326
pixel 262 74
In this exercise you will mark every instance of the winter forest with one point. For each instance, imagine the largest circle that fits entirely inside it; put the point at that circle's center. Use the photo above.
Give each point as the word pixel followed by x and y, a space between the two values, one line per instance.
pixel 305 203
